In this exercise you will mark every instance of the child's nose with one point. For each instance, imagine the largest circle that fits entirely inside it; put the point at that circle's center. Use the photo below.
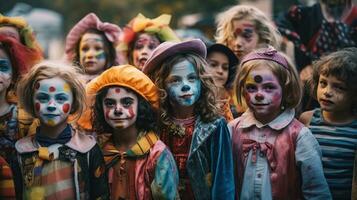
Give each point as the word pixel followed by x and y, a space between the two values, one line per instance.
pixel 238 41
pixel 118 111
pixel 259 97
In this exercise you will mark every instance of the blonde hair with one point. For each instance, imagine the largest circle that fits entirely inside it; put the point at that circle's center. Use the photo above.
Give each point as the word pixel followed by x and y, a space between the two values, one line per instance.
pixel 267 32
pixel 47 70
pixel 288 79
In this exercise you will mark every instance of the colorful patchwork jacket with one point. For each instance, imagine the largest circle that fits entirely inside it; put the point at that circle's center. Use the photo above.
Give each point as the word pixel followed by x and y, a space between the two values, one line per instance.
pixel 7 188
pixel 74 170
pixel 154 170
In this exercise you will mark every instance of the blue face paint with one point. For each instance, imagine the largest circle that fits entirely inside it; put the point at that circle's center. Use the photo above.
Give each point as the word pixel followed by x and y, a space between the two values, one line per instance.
pixel 100 55
pixel 183 84
pixel 5 66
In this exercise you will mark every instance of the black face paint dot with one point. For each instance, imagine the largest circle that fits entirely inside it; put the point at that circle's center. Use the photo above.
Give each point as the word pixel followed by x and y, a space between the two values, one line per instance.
pixel 258 79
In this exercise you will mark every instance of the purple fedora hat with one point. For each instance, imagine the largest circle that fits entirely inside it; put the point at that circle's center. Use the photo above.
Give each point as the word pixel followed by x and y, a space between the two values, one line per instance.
pixel 168 49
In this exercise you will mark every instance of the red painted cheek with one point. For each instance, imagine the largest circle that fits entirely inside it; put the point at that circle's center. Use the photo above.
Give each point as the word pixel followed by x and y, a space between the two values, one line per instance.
pixel 247 97
pixel 131 112
pixel 52 89
pixel 106 113
pixel 37 106
pixel 65 108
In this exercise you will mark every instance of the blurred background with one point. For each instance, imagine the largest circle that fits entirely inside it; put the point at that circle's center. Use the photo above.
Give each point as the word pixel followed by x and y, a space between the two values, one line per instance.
pixel 52 19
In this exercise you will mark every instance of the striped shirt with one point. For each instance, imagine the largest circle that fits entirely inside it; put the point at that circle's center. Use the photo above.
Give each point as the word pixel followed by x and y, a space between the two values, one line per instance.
pixel 55 181
pixel 338 145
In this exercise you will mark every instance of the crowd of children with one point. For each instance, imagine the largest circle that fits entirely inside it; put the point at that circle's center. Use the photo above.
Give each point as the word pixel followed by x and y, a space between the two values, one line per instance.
pixel 138 113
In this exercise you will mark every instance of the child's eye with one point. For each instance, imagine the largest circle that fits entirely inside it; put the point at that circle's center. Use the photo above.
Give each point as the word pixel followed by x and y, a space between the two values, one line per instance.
pixel 138 46
pixel 322 83
pixel 5 65
pixel 192 78
pixel 174 80
pixel 61 98
pixel 84 48
pixel 225 67
pixel 127 102
pixel 98 48
pixel 109 103
pixel 43 98
pixel 152 46
pixel 250 88
pixel 269 87
pixel 213 64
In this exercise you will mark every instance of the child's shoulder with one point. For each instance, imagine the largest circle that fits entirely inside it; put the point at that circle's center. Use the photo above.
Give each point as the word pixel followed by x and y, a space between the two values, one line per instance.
pixel 306 117
pixel 81 142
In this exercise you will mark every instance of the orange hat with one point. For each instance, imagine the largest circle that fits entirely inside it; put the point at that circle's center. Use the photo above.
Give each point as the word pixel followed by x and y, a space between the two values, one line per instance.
pixel 126 76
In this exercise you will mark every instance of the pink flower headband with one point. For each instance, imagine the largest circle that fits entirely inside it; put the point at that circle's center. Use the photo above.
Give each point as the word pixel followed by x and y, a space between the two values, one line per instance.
pixel 267 54
pixel 110 30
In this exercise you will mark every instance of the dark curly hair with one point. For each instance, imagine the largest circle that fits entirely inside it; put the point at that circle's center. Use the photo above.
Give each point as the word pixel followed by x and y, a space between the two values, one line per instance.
pixel 109 49
pixel 206 106
pixel 145 121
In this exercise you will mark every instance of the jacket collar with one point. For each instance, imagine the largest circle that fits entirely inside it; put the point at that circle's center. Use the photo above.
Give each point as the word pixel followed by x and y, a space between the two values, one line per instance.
pixel 79 142
pixel 247 120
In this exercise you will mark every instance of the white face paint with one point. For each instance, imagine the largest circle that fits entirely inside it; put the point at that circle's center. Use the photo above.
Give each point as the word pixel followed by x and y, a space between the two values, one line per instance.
pixel 120 108
pixel 183 84
pixel 53 99
pixel 263 93
pixel 5 71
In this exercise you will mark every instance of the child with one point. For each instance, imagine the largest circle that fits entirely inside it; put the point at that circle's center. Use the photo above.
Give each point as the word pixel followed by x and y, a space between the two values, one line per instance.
pixel 140 165
pixel 315 30
pixel 222 66
pixel 334 124
pixel 244 28
pixel 142 35
pixel 91 44
pixel 17 28
pixel 275 156
pixel 197 137
pixel 58 162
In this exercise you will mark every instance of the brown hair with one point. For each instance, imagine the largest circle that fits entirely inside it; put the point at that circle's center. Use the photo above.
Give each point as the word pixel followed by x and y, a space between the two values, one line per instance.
pixel 288 79
pixel 47 70
pixel 205 107
pixel 109 49
pixel 342 65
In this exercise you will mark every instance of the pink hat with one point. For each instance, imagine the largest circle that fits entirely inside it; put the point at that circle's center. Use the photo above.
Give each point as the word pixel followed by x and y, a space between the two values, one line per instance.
pixel 167 49
pixel 266 54
pixel 110 30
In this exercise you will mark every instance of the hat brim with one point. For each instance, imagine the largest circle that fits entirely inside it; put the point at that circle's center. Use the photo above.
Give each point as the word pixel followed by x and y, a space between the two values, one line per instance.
pixel 233 60
pixel 168 49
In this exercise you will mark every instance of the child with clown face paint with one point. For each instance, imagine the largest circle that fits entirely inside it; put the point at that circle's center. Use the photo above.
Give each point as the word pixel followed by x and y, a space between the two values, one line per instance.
pixel 14 123
pixel 141 36
pixel 91 45
pixel 197 137
pixel 275 156
pixel 125 103
pixel 58 161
